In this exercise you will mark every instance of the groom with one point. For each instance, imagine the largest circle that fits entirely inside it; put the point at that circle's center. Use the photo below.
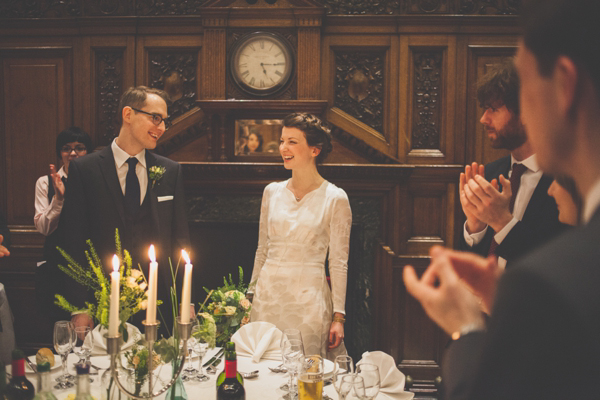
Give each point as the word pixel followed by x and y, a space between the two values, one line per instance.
pixel 118 188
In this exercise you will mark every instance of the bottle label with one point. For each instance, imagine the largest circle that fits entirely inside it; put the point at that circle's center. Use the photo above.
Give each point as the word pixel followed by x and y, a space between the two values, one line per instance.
pixel 230 369
pixel 18 367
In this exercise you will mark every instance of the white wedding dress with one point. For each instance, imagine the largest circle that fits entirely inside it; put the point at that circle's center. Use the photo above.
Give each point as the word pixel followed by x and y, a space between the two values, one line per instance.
pixel 291 289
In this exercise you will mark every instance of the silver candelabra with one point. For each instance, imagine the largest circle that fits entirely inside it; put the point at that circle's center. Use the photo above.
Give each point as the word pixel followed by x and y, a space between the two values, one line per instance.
pixel 113 347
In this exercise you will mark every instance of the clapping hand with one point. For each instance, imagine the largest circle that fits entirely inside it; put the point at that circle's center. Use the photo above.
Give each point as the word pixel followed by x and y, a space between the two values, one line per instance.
pixel 482 201
pixel 59 186
pixel 446 298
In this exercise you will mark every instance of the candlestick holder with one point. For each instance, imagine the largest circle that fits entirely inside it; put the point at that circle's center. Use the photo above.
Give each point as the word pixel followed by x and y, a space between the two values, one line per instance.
pixel 113 348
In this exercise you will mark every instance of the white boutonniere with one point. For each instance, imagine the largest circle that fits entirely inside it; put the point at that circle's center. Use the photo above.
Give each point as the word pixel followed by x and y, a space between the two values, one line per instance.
pixel 155 173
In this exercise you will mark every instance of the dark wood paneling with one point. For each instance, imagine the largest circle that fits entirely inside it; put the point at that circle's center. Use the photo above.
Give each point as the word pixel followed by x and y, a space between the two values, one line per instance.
pixel 37 100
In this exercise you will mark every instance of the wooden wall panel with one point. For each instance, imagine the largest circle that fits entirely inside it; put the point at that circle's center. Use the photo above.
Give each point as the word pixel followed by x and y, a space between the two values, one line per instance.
pixel 37 98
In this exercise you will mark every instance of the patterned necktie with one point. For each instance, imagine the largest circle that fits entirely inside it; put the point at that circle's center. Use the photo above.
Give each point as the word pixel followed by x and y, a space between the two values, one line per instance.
pixel 132 188
pixel 515 182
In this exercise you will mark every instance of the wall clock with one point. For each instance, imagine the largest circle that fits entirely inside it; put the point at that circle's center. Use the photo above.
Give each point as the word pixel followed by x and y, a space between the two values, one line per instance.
pixel 261 63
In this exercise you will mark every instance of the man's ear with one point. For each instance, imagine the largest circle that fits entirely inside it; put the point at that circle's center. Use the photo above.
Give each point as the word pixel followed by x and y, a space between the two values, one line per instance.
pixel 126 114
pixel 566 76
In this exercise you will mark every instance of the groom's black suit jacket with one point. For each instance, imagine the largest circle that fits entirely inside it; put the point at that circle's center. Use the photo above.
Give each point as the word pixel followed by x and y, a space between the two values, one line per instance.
pixel 94 208
pixel 542 339
pixel 538 225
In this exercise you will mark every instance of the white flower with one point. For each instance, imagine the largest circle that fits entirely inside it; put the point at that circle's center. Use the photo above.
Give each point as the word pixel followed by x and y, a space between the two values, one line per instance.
pixel 136 274
pixel 143 286
pixel 143 304
pixel 131 282
pixel 245 303
pixel 230 310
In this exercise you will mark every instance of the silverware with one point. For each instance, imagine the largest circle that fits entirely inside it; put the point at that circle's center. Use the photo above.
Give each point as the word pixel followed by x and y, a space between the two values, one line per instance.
pixel 31 365
pixel 215 358
pixel 278 369
pixel 249 375
pixel 212 369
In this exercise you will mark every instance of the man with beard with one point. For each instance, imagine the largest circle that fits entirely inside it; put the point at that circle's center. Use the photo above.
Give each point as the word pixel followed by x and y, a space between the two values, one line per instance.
pixel 509 211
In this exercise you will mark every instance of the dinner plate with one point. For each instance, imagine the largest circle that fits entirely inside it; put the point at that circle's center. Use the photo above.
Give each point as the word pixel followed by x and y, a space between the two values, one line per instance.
pixel 328 367
pixel 57 363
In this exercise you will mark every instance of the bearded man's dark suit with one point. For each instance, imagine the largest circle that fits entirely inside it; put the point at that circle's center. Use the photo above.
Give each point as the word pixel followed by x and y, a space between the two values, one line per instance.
pixel 542 340
pixel 94 208
pixel 538 225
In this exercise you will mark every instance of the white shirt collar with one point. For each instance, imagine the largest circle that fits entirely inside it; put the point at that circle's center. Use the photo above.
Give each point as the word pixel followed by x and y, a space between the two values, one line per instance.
pixel 530 162
pixel 61 172
pixel 592 202
pixel 121 155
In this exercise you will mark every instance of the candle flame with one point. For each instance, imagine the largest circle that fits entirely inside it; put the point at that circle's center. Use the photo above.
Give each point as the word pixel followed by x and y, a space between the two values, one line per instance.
pixel 116 263
pixel 185 256
pixel 151 254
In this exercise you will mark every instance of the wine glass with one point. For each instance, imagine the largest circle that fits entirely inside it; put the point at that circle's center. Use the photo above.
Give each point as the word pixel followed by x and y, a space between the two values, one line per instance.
pixel 287 334
pixel 64 336
pixel 83 344
pixel 201 345
pixel 189 372
pixel 370 375
pixel 293 358
pixel 343 366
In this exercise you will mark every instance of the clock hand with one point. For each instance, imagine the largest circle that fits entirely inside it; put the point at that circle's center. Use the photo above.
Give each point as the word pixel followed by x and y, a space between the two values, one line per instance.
pixel 274 64
pixel 263 67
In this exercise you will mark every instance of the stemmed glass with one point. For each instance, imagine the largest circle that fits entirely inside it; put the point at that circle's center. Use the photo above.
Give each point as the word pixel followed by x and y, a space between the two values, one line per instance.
pixel 83 344
pixel 189 372
pixel 351 384
pixel 287 334
pixel 343 366
pixel 200 345
pixel 293 358
pixel 370 375
pixel 64 337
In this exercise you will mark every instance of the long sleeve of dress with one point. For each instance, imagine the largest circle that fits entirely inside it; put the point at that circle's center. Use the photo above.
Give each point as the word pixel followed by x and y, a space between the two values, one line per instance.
pixel 263 239
pixel 46 214
pixel 339 248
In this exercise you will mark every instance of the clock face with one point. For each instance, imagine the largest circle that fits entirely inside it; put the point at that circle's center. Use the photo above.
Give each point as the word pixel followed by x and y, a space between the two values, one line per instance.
pixel 261 63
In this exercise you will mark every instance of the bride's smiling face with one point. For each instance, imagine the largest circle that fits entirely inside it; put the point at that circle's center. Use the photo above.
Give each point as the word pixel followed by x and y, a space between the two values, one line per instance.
pixel 295 150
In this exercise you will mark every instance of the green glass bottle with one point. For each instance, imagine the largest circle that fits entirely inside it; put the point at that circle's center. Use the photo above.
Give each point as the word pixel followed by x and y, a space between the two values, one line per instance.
pixel 44 383
pixel 19 387
pixel 230 384
pixel 83 382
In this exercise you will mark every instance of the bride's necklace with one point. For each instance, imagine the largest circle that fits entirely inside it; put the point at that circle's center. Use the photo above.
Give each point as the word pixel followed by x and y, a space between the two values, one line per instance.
pixel 298 198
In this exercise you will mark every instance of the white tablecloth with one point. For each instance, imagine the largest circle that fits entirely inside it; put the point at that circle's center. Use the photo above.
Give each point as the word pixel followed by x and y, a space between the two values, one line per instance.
pixel 265 387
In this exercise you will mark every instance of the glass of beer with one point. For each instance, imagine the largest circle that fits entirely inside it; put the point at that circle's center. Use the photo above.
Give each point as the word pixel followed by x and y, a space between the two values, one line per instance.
pixel 310 380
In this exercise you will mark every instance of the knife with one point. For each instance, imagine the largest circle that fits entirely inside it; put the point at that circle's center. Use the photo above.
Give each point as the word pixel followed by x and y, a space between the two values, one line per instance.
pixel 31 365
pixel 215 358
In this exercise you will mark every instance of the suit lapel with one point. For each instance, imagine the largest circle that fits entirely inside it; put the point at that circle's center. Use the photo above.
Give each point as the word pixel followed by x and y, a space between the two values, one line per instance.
pixel 150 162
pixel 541 191
pixel 109 172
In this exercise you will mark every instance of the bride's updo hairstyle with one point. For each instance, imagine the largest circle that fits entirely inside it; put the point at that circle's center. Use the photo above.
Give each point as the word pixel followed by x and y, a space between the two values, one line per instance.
pixel 317 132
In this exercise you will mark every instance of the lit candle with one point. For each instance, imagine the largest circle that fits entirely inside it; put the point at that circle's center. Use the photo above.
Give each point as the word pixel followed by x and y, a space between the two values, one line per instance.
pixel 186 294
pixel 113 322
pixel 151 310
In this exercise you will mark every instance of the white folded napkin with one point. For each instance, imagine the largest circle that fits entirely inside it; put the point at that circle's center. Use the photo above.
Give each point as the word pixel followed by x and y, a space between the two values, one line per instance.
pixel 392 380
pixel 99 333
pixel 258 340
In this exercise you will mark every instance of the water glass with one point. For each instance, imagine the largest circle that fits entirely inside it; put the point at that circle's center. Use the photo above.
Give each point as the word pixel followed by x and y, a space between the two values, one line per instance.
pixel 64 338
pixel 343 366
pixel 200 345
pixel 370 375
pixel 293 358
pixel 286 335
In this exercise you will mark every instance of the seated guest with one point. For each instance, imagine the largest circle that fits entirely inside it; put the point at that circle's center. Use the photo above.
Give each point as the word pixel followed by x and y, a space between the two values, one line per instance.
pixel 568 200
pixel 513 221
pixel 71 144
pixel 542 338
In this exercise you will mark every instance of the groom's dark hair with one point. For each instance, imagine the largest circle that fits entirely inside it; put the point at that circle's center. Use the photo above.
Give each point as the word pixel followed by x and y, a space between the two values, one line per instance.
pixel 136 97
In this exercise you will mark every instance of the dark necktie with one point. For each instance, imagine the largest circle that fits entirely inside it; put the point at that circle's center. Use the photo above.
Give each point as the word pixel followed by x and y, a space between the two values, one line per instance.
pixel 132 188
pixel 515 182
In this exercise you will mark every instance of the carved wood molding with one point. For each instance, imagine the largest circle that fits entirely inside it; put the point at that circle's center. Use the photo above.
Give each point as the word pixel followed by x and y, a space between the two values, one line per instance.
pixel 109 87
pixel 427 107
pixel 362 148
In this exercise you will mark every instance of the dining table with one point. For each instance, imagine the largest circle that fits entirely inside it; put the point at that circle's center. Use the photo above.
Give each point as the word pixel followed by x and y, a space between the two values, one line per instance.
pixel 266 386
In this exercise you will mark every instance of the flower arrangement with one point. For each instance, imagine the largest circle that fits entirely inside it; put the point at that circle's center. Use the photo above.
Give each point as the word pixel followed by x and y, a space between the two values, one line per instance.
pixel 156 172
pixel 133 286
pixel 208 329
pixel 228 307
pixel 137 359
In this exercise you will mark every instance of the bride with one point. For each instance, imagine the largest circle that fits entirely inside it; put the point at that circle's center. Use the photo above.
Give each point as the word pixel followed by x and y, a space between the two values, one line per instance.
pixel 302 220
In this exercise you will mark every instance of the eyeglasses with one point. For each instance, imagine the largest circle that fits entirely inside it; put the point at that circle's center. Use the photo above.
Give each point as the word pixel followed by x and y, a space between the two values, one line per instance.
pixel 156 118
pixel 78 149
